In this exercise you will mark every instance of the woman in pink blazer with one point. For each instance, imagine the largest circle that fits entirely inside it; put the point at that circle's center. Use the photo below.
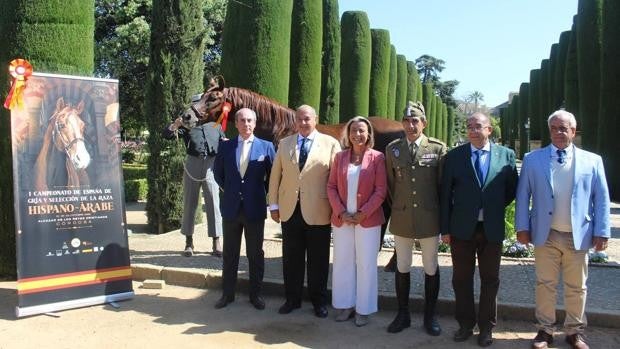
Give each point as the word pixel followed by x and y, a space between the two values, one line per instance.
pixel 356 189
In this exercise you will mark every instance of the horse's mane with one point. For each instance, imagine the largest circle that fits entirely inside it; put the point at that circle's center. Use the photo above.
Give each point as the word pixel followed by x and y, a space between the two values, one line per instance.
pixel 274 120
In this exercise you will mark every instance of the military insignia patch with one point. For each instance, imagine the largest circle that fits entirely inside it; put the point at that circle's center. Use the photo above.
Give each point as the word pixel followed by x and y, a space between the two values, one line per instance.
pixel 396 152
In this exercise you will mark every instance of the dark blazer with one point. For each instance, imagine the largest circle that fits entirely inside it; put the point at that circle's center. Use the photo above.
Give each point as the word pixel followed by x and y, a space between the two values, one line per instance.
pixel 252 188
pixel 462 197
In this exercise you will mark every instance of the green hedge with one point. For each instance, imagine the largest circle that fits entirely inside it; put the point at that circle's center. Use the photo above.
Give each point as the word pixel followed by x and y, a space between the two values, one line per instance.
pixel 136 189
pixel 379 73
pixel 355 62
pixel 330 73
pixel 134 172
pixel 524 99
pixel 401 86
pixel 391 96
pixel 571 78
pixel 306 50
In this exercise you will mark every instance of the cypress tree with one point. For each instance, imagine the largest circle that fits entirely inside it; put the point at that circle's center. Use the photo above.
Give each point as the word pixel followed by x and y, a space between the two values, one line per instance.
pixel 610 90
pixel 553 63
pixel 523 109
pixel 379 72
pixel 545 82
pixel 355 59
pixel 432 123
pixel 256 46
pixel 534 107
pixel 177 44
pixel 55 37
pixel 330 73
pixel 401 85
pixel 571 78
pixel 427 101
pixel 306 50
pixel 418 86
pixel 514 121
pixel 502 124
pixel 412 86
pixel 450 129
pixel 391 103
pixel 588 67
pixel 444 122
pixel 560 68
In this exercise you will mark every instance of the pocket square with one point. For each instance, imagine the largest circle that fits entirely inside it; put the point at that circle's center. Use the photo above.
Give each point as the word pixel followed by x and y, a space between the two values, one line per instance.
pixel 261 158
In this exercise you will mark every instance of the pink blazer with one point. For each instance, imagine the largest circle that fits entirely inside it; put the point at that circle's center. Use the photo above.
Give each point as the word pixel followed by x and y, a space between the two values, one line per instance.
pixel 371 190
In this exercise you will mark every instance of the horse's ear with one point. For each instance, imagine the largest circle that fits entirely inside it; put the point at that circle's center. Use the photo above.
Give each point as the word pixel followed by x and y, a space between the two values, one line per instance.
pixel 60 104
pixel 216 83
pixel 80 107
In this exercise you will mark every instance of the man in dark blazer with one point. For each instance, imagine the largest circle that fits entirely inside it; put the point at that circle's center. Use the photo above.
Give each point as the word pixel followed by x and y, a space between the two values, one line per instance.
pixel 479 180
pixel 242 169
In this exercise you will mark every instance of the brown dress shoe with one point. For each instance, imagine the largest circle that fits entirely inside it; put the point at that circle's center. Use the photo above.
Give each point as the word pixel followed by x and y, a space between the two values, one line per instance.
pixel 577 341
pixel 542 340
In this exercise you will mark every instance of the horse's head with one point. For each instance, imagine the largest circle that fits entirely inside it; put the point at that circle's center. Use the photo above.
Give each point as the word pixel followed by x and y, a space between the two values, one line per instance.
pixel 206 107
pixel 68 133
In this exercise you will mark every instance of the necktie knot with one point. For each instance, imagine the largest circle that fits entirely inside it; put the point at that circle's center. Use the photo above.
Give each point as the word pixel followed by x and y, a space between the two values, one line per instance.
pixel 561 155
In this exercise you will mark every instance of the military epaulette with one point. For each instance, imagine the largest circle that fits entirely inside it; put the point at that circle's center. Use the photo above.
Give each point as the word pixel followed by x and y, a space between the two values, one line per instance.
pixel 435 140
pixel 394 142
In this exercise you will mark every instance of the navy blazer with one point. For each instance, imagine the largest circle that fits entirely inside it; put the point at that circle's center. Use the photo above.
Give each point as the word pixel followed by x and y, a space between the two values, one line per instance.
pixel 252 188
pixel 461 196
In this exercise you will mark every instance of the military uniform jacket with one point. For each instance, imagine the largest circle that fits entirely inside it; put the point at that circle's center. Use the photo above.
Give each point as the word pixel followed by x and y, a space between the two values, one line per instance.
pixel 413 187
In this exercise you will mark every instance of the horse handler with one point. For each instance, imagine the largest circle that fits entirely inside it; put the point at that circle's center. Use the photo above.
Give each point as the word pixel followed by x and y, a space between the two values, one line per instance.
pixel 201 143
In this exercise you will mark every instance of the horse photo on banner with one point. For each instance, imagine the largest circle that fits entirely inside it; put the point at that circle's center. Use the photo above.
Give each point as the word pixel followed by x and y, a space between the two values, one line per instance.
pixel 72 248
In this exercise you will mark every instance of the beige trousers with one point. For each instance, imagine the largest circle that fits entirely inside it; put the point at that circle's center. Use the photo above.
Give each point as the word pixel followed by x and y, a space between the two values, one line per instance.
pixel 556 256
pixel 404 246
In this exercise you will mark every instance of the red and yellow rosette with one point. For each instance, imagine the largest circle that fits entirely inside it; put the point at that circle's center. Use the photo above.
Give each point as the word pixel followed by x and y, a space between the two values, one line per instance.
pixel 20 69
pixel 223 119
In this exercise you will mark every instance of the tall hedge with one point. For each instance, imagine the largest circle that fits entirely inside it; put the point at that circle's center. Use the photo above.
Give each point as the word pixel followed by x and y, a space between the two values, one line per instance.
pixel 379 72
pixel 553 62
pixel 56 37
pixel 306 50
pixel 450 126
pixel 545 82
pixel 401 85
pixel 514 121
pixel 588 65
pixel 330 72
pixel 256 46
pixel 412 86
pixel 560 69
pixel 524 93
pixel 432 122
pixel 391 97
pixel 571 76
pixel 534 106
pixel 609 111
pixel 177 43
pixel 444 122
pixel 355 59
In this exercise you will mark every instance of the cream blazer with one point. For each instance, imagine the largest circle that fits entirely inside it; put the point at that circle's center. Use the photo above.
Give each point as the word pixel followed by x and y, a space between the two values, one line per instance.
pixel 287 183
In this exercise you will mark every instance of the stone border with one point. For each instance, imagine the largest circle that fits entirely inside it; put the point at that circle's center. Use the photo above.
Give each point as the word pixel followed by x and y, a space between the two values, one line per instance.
pixel 210 279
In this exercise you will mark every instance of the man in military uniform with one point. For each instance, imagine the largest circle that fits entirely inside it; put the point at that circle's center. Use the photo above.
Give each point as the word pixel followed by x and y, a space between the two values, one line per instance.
pixel 414 167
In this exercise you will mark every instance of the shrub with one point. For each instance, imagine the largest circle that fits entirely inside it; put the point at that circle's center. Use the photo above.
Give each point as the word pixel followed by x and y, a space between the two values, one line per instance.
pixel 134 172
pixel 135 189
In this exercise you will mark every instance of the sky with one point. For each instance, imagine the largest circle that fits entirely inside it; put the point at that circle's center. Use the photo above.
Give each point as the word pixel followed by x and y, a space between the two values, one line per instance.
pixel 488 45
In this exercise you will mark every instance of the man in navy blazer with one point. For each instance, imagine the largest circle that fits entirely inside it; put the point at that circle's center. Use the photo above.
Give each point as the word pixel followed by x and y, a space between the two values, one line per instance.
pixel 569 214
pixel 479 180
pixel 242 168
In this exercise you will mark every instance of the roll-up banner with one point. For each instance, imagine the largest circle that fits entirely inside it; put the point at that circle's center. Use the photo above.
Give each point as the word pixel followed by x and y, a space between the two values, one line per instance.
pixel 72 246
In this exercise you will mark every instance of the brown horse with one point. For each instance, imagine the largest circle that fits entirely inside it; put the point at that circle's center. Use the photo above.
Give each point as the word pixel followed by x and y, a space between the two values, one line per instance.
pixel 274 121
pixel 63 139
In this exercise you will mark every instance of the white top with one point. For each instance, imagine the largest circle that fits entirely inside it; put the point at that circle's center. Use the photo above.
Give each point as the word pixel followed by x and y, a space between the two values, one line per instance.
pixel 353 177
pixel 563 181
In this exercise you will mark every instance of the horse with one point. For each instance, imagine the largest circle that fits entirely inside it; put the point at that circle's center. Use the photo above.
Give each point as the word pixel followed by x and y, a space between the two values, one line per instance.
pixel 274 120
pixel 63 140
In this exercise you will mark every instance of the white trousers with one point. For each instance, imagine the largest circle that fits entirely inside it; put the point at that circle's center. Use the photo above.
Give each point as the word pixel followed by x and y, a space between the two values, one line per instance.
pixel 354 275
pixel 404 246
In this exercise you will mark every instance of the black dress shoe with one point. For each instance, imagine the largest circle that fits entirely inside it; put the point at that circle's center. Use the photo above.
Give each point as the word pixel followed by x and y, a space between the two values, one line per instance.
pixel 320 311
pixel 542 340
pixel 463 334
pixel 258 302
pixel 223 301
pixel 287 307
pixel 485 338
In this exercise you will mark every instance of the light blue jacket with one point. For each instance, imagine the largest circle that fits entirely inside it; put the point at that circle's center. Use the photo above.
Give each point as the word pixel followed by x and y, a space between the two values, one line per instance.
pixel 590 197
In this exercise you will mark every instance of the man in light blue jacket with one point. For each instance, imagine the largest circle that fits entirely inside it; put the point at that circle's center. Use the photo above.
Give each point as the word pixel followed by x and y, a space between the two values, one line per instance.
pixel 569 214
